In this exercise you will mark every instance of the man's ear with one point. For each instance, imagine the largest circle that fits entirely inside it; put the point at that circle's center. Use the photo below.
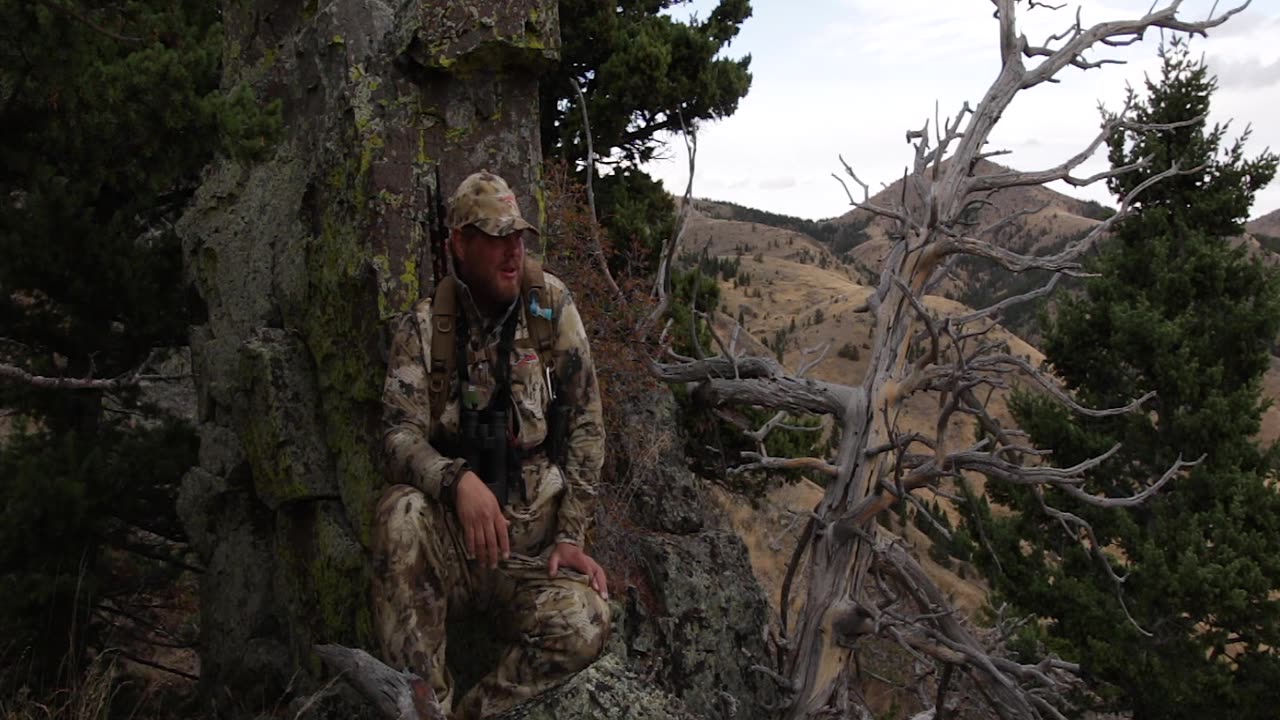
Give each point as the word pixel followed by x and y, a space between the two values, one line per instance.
pixel 455 243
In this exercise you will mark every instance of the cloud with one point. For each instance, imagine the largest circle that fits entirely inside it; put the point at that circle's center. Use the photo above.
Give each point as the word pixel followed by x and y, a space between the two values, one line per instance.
pixel 1249 74
pixel 851 76
pixel 778 183
pixel 1245 25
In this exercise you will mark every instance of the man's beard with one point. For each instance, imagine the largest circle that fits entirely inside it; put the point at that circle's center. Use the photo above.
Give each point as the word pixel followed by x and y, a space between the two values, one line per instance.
pixel 490 298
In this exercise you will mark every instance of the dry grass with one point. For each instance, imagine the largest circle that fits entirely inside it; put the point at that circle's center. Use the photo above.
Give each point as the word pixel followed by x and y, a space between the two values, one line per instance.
pixel 91 697
pixel 771 531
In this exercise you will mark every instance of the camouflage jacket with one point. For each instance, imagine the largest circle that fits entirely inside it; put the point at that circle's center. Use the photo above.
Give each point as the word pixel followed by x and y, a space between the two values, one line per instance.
pixel 560 500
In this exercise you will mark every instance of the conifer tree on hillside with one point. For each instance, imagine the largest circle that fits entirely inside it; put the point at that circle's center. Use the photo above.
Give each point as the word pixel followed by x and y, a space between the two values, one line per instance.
pixel 1175 309
pixel 107 115
pixel 643 74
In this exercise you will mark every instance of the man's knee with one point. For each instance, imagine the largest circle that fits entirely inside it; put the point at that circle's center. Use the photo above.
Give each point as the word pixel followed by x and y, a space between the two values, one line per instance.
pixel 398 517
pixel 588 621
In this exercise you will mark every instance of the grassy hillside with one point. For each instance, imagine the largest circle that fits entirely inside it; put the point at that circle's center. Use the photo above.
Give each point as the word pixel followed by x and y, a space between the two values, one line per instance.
pixel 792 294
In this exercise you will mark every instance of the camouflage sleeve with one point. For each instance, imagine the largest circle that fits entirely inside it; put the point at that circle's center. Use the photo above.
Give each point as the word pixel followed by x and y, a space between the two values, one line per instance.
pixel 406 412
pixel 585 441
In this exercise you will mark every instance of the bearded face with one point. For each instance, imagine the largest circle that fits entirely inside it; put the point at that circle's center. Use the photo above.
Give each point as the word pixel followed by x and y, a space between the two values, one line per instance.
pixel 490 265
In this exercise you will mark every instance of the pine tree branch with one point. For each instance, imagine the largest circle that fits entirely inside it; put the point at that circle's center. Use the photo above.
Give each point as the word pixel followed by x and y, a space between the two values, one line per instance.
pixel 69 12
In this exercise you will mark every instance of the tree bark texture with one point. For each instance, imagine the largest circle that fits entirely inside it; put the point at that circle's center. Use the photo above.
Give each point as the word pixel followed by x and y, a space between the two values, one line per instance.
pixel 300 259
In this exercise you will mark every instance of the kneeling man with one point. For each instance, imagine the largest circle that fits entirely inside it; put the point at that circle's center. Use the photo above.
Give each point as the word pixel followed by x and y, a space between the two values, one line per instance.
pixel 494 443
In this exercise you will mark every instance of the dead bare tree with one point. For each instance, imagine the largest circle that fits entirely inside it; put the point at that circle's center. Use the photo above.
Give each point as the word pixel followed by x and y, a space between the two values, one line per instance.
pixel 958 357
pixel 596 249
pixel 666 259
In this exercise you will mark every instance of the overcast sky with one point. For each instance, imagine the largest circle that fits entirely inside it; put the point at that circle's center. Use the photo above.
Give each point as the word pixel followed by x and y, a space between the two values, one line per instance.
pixel 849 77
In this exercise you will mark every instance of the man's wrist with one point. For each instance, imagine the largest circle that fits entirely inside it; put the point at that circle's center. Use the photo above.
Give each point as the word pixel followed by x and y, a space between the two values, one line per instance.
pixel 449 488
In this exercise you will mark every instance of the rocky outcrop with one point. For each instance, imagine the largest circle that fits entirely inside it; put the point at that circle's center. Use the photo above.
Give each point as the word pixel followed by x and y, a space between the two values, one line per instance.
pixel 607 689
pixel 300 259
pixel 704 628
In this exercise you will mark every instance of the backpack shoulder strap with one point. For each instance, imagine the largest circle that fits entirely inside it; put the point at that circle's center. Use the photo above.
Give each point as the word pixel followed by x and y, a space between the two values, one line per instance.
pixel 538 308
pixel 444 321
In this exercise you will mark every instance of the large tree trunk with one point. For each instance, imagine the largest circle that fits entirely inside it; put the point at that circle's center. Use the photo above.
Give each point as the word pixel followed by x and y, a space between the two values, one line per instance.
pixel 300 259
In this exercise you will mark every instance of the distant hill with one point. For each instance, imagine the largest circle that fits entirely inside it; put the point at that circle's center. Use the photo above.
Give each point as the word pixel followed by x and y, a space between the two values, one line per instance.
pixel 860 240
pixel 1266 231
pixel 793 291
pixel 1268 224
pixel 839 236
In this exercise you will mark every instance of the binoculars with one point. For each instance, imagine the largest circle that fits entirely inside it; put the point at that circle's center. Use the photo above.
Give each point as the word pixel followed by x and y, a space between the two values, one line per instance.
pixel 490 452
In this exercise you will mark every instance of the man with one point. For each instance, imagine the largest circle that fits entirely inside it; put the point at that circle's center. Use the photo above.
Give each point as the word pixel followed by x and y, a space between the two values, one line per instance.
pixel 494 442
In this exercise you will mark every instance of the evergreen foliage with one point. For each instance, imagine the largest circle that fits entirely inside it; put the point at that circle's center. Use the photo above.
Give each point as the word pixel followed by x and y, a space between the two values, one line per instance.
pixel 1176 310
pixel 638 215
pixel 643 73
pixel 641 70
pixel 109 112
pixel 722 268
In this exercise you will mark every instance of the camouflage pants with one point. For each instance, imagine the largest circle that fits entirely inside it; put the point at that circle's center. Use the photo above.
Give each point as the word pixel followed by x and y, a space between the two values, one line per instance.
pixel 557 626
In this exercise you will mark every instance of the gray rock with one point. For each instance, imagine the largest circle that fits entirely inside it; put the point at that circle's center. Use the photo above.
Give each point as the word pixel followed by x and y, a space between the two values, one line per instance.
pixel 708 628
pixel 669 499
pixel 607 689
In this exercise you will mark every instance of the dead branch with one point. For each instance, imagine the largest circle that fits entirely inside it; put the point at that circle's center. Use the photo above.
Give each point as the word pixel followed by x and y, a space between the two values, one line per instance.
pixel 865 203
pixel 997 309
pixel 1138 498
pixel 1113 34
pixel 717 367
pixel 763 462
pixel 153 664
pixel 591 196
pixel 397 695
pixel 131 379
pixel 663 284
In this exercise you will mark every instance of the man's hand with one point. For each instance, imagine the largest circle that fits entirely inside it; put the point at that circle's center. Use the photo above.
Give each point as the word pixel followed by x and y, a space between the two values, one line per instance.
pixel 482 521
pixel 571 556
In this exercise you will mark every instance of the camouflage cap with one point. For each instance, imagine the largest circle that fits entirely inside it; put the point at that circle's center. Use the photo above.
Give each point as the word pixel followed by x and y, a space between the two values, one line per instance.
pixel 486 201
